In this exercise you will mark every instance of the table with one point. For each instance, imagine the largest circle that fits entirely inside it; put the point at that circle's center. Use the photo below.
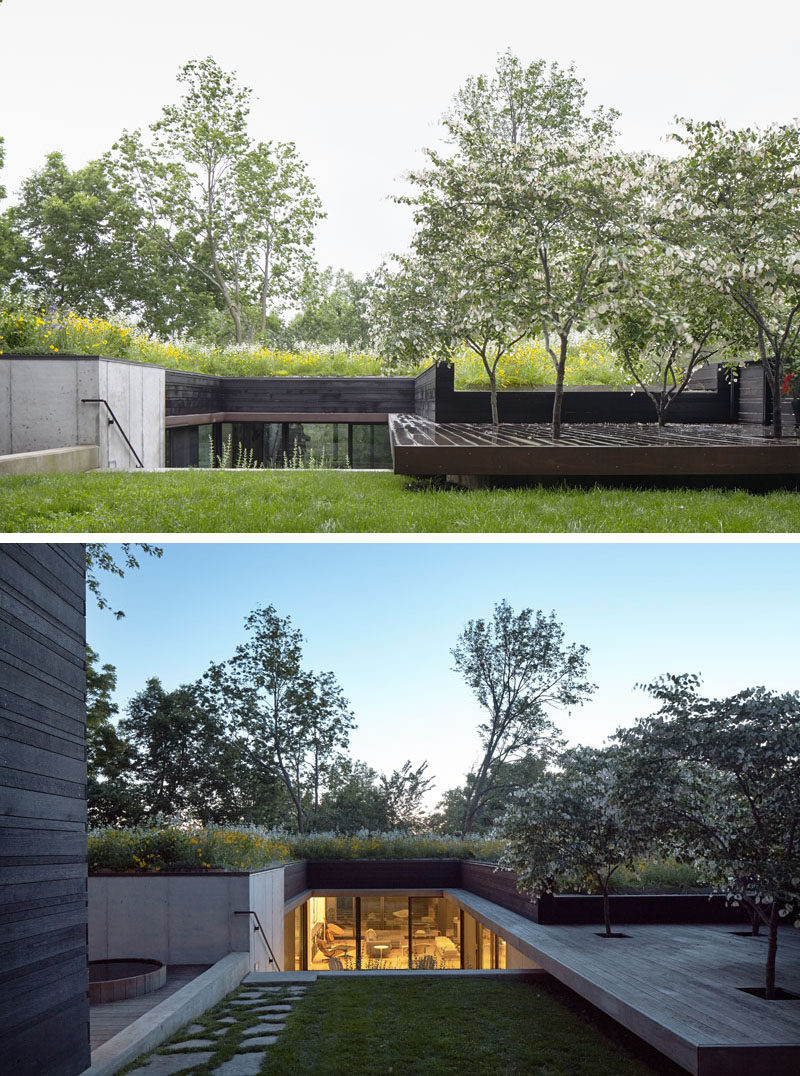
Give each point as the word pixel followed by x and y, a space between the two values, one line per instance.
pixel 380 950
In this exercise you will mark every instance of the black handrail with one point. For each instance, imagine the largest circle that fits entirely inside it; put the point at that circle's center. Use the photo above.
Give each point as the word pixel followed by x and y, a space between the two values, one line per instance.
pixel 114 421
pixel 256 929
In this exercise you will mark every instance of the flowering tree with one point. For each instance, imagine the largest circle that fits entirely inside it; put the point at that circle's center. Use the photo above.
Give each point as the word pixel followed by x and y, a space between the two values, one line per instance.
pixel 519 226
pixel 568 829
pixel 714 782
pixel 518 665
pixel 240 216
pixel 741 191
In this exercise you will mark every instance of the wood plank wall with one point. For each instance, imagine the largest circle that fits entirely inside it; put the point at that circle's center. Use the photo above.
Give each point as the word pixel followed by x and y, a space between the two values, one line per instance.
pixel 198 394
pixel 44 1007
pixel 580 405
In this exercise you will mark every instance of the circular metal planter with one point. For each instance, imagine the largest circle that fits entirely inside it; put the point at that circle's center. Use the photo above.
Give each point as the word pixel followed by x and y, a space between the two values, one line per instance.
pixel 116 980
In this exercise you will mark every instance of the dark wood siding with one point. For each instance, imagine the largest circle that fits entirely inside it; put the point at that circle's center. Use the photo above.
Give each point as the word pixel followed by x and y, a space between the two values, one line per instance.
pixel 196 394
pixel 294 879
pixel 752 394
pixel 499 886
pixel 580 405
pixel 383 874
pixel 191 394
pixel 44 1008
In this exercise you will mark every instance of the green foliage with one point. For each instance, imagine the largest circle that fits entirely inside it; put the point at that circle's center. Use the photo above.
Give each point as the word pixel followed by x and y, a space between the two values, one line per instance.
pixel 238 217
pixel 166 847
pixel 569 828
pixel 108 757
pixel 518 666
pixel 332 312
pixel 290 724
pixel 714 782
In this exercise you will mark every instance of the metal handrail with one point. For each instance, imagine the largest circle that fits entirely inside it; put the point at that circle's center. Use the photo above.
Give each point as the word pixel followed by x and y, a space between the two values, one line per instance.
pixel 265 939
pixel 114 421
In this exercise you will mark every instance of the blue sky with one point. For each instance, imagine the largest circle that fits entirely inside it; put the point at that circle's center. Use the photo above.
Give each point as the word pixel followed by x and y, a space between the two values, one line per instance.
pixel 383 617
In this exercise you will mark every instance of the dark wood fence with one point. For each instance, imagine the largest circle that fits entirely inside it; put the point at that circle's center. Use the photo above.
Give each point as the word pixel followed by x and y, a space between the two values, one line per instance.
pixel 194 394
pixel 44 1007
pixel 438 400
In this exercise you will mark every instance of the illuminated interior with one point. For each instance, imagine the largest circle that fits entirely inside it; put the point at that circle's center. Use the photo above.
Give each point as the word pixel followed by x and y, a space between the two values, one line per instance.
pixel 388 931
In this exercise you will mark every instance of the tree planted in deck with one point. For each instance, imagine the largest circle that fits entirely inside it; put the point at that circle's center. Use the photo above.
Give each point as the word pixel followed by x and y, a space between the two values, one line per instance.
pixel 291 723
pixel 740 190
pixel 568 830
pixel 523 224
pixel 715 783
pixel 518 666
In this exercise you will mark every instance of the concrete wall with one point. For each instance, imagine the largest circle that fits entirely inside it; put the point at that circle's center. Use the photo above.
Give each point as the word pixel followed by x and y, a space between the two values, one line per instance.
pixel 266 899
pixel 185 918
pixel 40 407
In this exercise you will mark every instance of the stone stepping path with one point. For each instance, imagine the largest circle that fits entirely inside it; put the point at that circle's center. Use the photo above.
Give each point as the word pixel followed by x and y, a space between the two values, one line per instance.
pixel 270 1005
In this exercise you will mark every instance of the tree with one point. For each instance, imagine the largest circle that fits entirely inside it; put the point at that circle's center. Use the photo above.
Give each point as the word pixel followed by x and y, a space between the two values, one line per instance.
pixel 716 781
pixel 238 216
pixel 109 758
pixel 518 667
pixel 508 778
pixel 524 222
pixel 352 800
pixel 10 245
pixel 665 319
pixel 181 761
pixel 290 723
pixel 403 792
pixel 741 191
pixel 568 829
pixel 332 311
pixel 281 207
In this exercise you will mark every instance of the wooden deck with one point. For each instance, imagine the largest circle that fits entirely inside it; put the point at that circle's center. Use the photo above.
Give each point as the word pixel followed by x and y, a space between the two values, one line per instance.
pixel 420 446
pixel 677 987
pixel 108 1020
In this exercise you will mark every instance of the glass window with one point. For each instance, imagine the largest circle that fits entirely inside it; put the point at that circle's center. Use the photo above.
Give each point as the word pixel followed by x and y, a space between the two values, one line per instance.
pixel 500 962
pixel 371 446
pixel 435 934
pixel 384 932
pixel 205 445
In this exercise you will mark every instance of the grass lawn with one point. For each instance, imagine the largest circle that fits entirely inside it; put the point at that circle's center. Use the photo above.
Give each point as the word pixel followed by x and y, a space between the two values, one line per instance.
pixel 379 1025
pixel 454 1025
pixel 352 501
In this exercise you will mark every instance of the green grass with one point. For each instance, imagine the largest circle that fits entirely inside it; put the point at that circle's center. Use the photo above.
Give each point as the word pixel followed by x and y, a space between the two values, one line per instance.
pixel 437 1025
pixel 341 501
pixel 455 1025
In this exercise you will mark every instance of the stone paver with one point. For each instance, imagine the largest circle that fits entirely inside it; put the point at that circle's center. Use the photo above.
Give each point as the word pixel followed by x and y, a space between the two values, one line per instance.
pixel 194 1029
pixel 261 1040
pixel 262 1029
pixel 192 1044
pixel 277 1008
pixel 227 1020
pixel 165 1065
pixel 241 1065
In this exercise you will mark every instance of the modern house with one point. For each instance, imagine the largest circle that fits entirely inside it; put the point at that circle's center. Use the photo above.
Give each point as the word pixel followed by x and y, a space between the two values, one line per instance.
pixel 79 413
pixel 680 975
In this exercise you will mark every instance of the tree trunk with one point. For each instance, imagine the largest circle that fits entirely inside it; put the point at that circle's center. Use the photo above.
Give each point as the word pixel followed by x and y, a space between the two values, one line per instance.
pixel 493 394
pixel 607 912
pixel 559 390
pixel 772 949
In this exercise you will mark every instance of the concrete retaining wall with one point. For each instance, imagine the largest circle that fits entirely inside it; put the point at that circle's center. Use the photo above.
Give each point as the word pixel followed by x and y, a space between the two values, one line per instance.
pixel 41 408
pixel 185 918
pixel 52 461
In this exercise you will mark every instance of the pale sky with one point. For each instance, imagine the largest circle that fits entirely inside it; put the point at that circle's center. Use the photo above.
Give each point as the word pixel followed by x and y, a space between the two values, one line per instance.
pixel 360 86
pixel 383 617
